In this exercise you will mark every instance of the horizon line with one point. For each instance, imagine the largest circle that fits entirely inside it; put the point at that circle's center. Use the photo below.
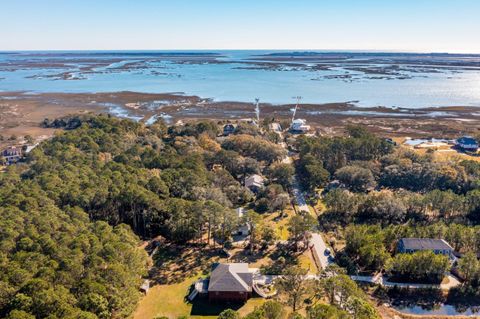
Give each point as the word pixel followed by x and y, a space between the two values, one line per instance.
pixel 257 49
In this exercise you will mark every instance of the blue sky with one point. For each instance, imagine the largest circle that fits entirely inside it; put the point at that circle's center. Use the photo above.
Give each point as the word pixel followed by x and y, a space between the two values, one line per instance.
pixel 401 25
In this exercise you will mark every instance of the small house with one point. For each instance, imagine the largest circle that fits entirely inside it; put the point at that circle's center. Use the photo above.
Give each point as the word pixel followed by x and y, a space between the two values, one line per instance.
pixel 228 129
pixel 255 183
pixel 244 228
pixel 11 155
pixel 467 143
pixel 230 282
pixel 438 246
pixel 299 126
pixel 145 287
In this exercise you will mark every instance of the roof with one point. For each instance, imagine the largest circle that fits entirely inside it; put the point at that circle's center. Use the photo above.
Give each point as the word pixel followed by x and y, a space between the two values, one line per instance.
pixel 231 277
pixel 254 180
pixel 425 244
pixel 145 285
pixel 300 125
pixel 299 121
pixel 467 140
pixel 30 148
pixel 240 211
pixel 229 126
pixel 11 151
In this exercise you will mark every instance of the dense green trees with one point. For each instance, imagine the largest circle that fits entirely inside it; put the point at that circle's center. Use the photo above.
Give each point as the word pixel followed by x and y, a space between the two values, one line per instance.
pixel 124 172
pixel 422 266
pixel 259 149
pixel 422 188
pixel 272 198
pixel 397 207
pixel 357 179
pixel 469 268
pixel 370 249
pixel 343 294
pixel 300 226
pixel 321 157
pixel 271 309
pixel 55 263
pixel 382 207
pixel 336 152
pixel 365 246
pixel 311 172
pixel 65 251
pixel 281 173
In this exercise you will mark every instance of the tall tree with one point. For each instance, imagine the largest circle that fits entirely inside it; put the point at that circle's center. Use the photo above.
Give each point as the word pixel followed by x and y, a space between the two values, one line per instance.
pixel 299 227
pixel 294 286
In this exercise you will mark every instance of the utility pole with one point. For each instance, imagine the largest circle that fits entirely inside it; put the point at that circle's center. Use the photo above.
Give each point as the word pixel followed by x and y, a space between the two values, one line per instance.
pixel 257 110
pixel 298 98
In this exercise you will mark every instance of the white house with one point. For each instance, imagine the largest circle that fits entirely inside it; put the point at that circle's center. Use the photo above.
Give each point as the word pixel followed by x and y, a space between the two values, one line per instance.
pixel 299 126
pixel 254 182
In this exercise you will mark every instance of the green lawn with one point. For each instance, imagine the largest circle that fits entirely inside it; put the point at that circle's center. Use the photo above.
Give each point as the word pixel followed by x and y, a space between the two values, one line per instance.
pixel 165 300
pixel 168 300
pixel 176 269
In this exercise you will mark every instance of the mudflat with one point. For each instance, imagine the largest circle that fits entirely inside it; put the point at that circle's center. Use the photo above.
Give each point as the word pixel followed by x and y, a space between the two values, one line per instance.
pixel 21 113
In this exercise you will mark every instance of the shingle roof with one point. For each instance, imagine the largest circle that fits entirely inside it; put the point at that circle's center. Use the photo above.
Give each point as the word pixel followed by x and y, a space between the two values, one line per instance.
pixel 467 140
pixel 231 277
pixel 425 244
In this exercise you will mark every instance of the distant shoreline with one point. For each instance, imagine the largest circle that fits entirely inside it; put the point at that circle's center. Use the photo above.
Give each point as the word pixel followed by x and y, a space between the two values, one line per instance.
pixel 21 113
pixel 409 80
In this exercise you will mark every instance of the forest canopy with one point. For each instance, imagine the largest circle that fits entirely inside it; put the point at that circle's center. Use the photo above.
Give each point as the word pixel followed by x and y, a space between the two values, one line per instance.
pixel 72 214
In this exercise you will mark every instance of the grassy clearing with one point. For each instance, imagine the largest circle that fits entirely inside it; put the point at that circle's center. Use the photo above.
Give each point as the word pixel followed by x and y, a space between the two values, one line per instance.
pixel 168 300
pixel 165 300
pixel 306 262
pixel 452 155
pixel 280 224
pixel 175 270
pixel 319 207
pixel 447 154
pixel 257 259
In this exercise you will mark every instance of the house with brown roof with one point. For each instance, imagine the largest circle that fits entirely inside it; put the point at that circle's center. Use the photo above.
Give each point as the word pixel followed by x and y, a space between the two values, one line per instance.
pixel 230 282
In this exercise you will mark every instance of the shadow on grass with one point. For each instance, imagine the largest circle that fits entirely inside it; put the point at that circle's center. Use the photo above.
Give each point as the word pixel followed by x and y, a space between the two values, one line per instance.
pixel 202 307
pixel 173 263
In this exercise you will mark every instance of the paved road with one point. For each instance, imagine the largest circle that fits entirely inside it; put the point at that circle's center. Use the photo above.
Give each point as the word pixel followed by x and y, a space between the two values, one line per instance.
pixel 317 243
pixel 319 250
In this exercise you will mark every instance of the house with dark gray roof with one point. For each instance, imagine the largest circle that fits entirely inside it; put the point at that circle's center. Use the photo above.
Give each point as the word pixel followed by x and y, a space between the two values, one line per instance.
pixel 438 246
pixel 230 282
pixel 229 129
pixel 11 155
